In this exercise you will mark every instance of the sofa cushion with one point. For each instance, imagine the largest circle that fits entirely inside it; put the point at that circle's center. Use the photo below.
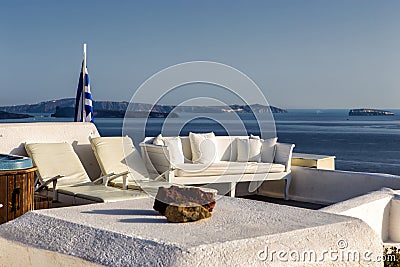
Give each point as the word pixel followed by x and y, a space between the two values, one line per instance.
pixel 268 150
pixel 225 168
pixel 226 148
pixel 283 154
pixel 175 152
pixel 204 147
pixel 248 149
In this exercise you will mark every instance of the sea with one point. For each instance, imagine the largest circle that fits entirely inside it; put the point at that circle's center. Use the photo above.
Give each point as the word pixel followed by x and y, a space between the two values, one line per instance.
pixel 359 143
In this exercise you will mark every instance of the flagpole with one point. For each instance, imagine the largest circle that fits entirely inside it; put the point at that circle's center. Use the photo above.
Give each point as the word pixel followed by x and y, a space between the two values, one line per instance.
pixel 83 82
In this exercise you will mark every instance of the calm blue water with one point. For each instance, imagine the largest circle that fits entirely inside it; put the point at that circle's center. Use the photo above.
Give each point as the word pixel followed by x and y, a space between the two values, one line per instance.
pixel 370 144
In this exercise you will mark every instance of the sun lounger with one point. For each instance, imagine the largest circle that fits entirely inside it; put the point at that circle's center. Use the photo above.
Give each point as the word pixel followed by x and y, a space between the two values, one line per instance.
pixel 119 155
pixel 61 171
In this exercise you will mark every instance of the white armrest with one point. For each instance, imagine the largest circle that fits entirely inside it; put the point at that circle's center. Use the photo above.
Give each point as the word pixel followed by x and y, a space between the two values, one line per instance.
pixel 283 155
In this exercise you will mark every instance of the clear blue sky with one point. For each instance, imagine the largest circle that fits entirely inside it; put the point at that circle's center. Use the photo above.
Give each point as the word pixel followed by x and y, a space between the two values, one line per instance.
pixel 303 54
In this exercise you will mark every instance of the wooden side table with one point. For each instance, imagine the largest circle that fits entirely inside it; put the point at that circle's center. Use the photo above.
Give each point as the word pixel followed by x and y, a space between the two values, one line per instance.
pixel 16 193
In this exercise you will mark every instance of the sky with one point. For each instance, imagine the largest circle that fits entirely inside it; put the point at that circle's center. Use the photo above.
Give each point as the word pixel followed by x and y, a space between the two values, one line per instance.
pixel 302 54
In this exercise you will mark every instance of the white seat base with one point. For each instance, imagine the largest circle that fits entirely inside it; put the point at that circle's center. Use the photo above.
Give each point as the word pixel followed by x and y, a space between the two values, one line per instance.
pixel 233 180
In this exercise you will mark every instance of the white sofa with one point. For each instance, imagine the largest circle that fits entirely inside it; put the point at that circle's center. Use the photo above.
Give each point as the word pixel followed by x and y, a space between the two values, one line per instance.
pixel 228 170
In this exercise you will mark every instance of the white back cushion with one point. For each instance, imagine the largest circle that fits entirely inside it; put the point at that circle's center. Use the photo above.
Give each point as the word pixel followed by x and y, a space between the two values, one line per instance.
pixel 54 159
pixel 226 148
pixel 187 151
pixel 268 149
pixel 175 152
pixel 283 154
pixel 118 155
pixel 248 150
pixel 204 147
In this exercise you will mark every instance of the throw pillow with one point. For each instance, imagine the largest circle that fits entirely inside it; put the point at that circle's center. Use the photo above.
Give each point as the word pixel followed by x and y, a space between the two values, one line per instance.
pixel 204 147
pixel 174 145
pixel 268 150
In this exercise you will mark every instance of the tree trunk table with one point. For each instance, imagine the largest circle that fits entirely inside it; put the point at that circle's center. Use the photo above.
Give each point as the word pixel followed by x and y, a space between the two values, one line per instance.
pixel 16 193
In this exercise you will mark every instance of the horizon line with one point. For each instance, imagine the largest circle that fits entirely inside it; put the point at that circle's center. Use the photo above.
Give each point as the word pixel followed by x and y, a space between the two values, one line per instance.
pixel 285 108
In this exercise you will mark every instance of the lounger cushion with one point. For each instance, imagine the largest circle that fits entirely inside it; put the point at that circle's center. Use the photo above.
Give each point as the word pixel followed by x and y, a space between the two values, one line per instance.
pixel 226 168
pixel 111 196
pixel 54 159
pixel 86 188
pixel 118 155
pixel 142 184
pixel 100 193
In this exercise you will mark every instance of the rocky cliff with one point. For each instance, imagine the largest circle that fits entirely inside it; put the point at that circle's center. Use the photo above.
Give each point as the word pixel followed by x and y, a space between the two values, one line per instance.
pixel 9 116
pixel 69 112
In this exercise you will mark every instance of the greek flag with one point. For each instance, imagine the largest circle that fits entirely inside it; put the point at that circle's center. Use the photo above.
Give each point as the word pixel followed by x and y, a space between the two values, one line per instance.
pixel 84 103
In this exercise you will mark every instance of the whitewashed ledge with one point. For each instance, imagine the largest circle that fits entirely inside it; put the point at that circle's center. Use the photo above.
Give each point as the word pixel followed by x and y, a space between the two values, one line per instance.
pixel 130 233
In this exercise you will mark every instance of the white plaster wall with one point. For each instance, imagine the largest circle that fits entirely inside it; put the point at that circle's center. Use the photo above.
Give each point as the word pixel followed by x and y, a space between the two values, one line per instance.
pixel 373 208
pixel 329 186
pixel 13 254
pixel 375 214
pixel 394 222
pixel 13 136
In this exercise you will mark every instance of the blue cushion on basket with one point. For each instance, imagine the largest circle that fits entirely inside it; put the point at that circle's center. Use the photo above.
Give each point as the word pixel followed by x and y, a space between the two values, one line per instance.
pixel 14 162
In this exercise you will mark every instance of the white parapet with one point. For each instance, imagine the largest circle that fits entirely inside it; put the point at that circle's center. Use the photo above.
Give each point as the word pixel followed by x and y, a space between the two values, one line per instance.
pixel 329 186
pixel 240 233
pixel 379 209
pixel 17 254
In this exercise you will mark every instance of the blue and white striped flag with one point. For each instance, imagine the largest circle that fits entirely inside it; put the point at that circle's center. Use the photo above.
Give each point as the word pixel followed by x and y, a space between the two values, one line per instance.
pixel 84 103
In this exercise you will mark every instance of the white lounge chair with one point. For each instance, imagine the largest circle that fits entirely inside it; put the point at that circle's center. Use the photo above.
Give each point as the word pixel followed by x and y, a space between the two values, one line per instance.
pixel 61 171
pixel 119 155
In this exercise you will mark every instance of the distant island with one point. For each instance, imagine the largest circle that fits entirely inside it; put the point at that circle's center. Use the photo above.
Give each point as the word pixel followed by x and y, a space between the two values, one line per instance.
pixel 69 112
pixel 114 109
pixel 369 112
pixel 12 116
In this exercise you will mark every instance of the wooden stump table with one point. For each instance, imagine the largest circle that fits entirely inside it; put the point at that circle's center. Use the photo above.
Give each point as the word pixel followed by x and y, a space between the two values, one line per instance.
pixel 16 193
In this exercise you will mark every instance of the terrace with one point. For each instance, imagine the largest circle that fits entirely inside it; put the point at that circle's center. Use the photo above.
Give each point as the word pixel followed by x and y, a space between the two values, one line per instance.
pixel 130 233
